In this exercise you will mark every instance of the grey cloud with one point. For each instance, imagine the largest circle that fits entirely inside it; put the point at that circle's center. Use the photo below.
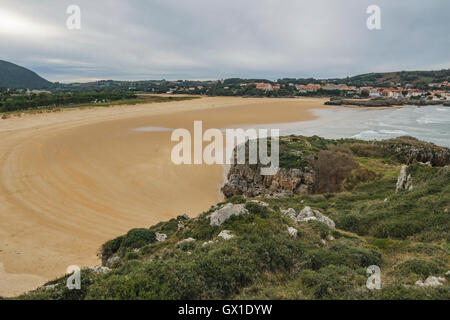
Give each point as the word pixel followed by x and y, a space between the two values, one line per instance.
pixel 212 39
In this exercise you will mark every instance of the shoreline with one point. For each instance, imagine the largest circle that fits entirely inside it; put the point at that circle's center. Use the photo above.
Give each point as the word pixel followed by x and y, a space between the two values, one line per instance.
pixel 73 180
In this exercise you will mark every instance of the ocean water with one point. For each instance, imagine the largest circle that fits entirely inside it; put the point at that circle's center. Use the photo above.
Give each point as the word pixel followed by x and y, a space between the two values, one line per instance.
pixel 427 123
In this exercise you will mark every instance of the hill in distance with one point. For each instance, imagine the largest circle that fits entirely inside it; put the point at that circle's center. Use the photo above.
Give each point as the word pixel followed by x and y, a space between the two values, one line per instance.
pixel 416 78
pixel 16 77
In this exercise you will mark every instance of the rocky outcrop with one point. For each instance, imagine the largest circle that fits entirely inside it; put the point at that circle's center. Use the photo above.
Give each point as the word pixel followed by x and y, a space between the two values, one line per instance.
pixel 219 216
pixel 431 282
pixel 260 203
pixel 292 232
pixel 366 103
pixel 160 237
pixel 410 150
pixel 290 213
pixel 308 214
pixel 225 234
pixel 384 102
pixel 99 269
pixel 404 181
pixel 246 180
pixel 185 241
pixel 110 261
pixel 300 155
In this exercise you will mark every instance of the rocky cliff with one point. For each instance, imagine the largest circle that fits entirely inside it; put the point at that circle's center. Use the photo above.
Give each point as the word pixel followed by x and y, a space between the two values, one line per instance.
pixel 246 179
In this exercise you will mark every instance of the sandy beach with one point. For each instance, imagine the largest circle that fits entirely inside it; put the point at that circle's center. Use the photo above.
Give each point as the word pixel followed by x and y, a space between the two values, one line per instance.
pixel 74 179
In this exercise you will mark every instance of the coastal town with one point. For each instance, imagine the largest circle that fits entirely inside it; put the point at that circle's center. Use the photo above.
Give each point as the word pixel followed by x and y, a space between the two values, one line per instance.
pixel 434 91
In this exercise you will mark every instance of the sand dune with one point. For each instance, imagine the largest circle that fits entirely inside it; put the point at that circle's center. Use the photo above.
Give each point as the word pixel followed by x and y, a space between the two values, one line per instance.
pixel 71 180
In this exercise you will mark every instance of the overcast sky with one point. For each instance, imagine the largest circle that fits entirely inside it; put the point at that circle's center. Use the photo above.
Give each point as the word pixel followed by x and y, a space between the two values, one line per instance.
pixel 210 39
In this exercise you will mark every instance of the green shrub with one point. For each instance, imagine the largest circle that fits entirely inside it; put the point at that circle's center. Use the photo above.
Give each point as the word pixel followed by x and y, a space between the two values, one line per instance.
pixel 398 291
pixel 109 248
pixel 237 199
pixel 255 208
pixel 132 256
pixel 421 268
pixel 398 229
pixel 332 167
pixel 341 254
pixel 137 238
pixel 358 176
pixel 332 282
pixel 320 227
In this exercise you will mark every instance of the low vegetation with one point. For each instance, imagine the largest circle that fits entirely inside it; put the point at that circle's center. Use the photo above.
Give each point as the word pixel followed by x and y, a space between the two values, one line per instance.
pixel 14 101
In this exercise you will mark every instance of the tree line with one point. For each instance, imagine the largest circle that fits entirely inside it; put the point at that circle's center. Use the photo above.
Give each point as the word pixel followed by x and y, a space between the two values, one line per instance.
pixel 13 100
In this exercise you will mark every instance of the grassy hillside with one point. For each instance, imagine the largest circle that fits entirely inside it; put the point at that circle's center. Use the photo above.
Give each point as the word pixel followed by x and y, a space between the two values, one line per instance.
pixel 416 78
pixel 17 77
pixel 405 233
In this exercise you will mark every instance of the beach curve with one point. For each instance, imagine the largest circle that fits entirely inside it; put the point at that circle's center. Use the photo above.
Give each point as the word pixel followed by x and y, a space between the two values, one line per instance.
pixel 72 180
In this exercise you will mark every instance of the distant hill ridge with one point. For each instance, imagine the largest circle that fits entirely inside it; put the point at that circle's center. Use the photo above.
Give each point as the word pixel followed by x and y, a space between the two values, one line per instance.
pixel 16 77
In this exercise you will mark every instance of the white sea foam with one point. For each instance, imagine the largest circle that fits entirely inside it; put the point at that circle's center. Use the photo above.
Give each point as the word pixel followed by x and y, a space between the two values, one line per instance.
pixel 428 123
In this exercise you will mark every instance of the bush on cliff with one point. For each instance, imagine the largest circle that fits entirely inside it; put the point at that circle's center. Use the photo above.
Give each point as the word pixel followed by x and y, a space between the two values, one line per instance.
pixel 332 168
pixel 134 239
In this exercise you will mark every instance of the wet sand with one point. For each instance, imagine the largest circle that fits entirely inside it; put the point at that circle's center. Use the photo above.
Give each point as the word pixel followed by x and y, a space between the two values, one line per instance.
pixel 71 180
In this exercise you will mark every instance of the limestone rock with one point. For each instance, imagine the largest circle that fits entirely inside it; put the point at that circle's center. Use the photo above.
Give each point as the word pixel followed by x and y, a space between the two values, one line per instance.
pixel 225 234
pixel 290 213
pixel 160 237
pixel 112 260
pixel 260 203
pixel 404 181
pixel 245 179
pixel 218 217
pixel 308 214
pixel 293 232
pixel 50 287
pixel 185 241
pixel 431 282
pixel 99 269
pixel 207 243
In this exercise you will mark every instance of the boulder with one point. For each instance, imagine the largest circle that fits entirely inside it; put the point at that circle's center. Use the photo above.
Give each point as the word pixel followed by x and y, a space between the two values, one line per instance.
pixel 225 234
pixel 185 241
pixel 404 181
pixel 218 217
pixel 112 260
pixel 431 282
pixel 160 237
pixel 207 243
pixel 292 232
pixel 260 203
pixel 99 269
pixel 290 213
pixel 308 214
pixel 49 287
